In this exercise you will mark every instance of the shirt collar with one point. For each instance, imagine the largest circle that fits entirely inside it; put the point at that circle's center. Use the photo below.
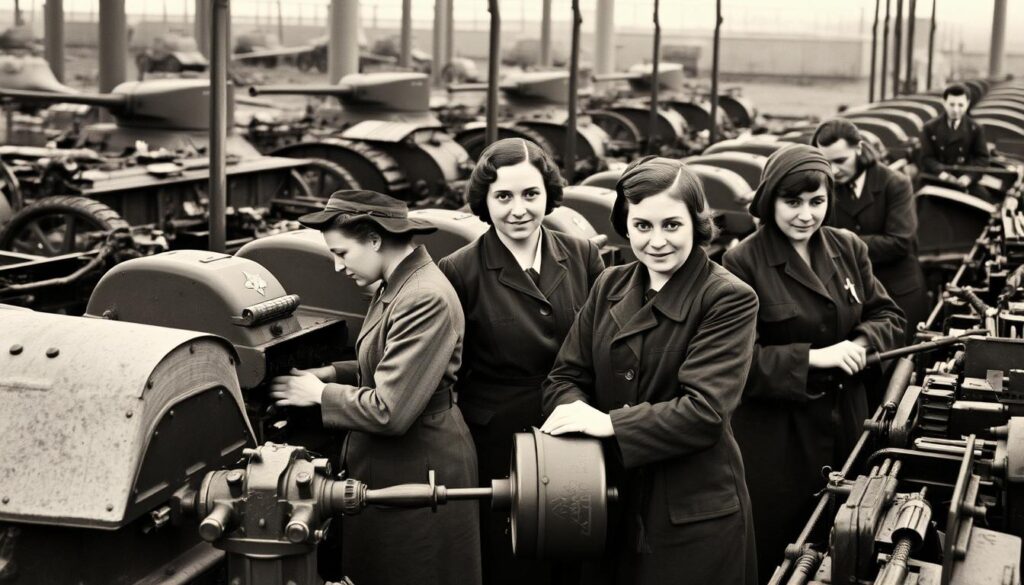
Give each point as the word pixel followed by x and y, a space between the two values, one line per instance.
pixel 536 255
pixel 858 183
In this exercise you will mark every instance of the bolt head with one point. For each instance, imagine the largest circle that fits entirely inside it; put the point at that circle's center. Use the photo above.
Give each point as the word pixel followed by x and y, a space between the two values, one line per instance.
pixel 52 352
pixel 16 349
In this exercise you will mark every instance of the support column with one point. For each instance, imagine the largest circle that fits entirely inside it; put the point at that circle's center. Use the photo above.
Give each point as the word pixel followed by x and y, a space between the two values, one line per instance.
pixel 449 28
pixel 997 50
pixel 604 37
pixel 440 19
pixel 53 27
pixel 343 47
pixel 405 38
pixel 113 54
pixel 874 54
pixel 908 78
pixel 897 42
pixel 219 49
pixel 885 51
pixel 931 47
pixel 201 27
pixel 546 59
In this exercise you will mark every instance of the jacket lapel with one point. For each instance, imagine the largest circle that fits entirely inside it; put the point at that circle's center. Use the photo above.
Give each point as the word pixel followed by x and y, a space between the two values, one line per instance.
pixel 498 257
pixel 406 268
pixel 553 266
pixel 853 206
pixel 780 251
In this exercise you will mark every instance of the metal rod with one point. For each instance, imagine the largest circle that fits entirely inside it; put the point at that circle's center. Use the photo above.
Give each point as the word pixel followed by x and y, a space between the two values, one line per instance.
pixel 655 83
pixel 714 72
pixel 545 34
pixel 343 45
pixel 478 493
pixel 885 51
pixel 931 47
pixel 897 47
pixel 997 50
pixel 449 29
pixel 405 51
pixel 437 55
pixel 53 24
pixel 494 61
pixel 218 123
pixel 876 358
pixel 113 45
pixel 604 37
pixel 569 160
pixel 908 78
pixel 874 54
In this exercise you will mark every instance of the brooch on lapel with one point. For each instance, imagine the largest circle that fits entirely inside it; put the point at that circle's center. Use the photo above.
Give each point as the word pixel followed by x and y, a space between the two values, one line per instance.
pixel 852 290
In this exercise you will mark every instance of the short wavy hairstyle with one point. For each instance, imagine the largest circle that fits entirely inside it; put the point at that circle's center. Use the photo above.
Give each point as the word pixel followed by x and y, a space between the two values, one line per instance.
pixel 653 175
pixel 508 152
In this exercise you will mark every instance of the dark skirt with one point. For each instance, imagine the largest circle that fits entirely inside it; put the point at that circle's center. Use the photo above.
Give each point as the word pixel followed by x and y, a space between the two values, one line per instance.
pixel 403 547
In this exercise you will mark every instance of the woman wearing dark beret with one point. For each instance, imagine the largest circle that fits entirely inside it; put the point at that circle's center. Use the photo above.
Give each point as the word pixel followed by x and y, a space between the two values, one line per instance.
pixel 655 364
pixel 395 399
pixel 821 308
pixel 520 285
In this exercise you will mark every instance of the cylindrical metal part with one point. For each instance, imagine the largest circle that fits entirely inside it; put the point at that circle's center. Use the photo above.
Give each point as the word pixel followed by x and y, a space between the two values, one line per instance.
pixel 874 54
pixel 931 47
pixel 604 37
pixel 493 63
pixel 877 358
pixel 997 49
pixel 805 567
pixel 218 123
pixel 332 90
pixel 343 46
pixel 201 27
pixel 897 48
pixel 449 29
pixel 113 53
pixel 216 523
pixel 405 51
pixel 898 383
pixel 545 34
pixel 895 571
pixel 716 50
pixel 53 23
pixel 440 19
pixel 885 51
pixel 299 524
pixel 908 78
pixel 569 160
pixel 912 520
pixel 652 118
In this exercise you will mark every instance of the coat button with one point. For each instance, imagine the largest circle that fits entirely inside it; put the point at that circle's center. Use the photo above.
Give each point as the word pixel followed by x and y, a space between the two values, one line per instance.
pixel 630 374
pixel 545 311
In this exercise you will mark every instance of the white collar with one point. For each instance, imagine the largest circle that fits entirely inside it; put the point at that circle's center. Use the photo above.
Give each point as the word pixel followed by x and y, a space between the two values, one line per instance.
pixel 858 183
pixel 536 255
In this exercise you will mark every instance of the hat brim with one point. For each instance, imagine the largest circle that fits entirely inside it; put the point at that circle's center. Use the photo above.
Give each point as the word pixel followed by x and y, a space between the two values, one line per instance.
pixel 323 219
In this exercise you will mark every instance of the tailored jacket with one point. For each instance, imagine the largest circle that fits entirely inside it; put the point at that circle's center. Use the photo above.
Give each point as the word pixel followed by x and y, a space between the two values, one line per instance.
pixel 395 401
pixel 669 372
pixel 885 217
pixel 941 146
pixel 794 420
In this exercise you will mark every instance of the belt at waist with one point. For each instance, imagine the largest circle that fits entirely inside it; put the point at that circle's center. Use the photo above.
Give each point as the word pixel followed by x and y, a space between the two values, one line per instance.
pixel 440 401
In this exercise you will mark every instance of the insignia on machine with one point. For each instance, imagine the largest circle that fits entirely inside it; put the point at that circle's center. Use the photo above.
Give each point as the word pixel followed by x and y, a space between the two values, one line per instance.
pixel 256 283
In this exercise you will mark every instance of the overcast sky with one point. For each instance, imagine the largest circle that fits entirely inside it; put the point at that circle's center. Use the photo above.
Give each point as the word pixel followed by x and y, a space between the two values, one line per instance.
pixel 970 20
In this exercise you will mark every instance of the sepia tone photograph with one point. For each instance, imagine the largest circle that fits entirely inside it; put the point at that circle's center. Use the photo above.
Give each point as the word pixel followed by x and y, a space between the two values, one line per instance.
pixel 511 292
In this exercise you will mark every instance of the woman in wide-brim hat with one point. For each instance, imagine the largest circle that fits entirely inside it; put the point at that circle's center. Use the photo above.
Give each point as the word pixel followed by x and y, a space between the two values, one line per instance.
pixel 821 308
pixel 395 399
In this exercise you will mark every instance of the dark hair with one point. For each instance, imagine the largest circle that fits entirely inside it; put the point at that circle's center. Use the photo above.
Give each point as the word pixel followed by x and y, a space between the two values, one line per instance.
pixel 508 152
pixel 652 175
pixel 956 89
pixel 361 230
pixel 796 184
pixel 831 131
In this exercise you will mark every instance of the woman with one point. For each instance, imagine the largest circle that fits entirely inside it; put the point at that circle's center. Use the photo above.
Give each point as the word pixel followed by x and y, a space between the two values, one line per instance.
pixel 877 204
pixel 655 362
pixel 821 308
pixel 395 400
pixel 520 286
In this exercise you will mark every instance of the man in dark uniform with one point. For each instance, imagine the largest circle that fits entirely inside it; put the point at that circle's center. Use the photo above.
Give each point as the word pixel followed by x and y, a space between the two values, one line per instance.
pixel 954 139
pixel 877 204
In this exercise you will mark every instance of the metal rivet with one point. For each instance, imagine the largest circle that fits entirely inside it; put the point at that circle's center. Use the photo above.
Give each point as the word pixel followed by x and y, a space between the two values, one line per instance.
pixel 6 499
pixel 234 477
pixel 52 352
pixel 170 413
pixel 149 384
pixel 129 414
pixel 110 507
pixel 16 349
pixel 303 478
pixel 263 523
pixel 544 480
pixel 276 329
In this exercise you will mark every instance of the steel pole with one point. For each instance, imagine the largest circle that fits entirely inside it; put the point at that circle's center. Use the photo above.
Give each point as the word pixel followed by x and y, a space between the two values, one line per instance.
pixel 449 29
pixel 343 46
pixel 218 19
pixel 908 78
pixel 17 14
pixel 545 33
pixel 440 18
pixel 714 72
pixel 280 24
pixel 113 54
pixel 897 42
pixel 569 160
pixel 931 47
pixel 53 26
pixel 493 62
pixel 874 54
pixel 604 37
pixel 885 51
pixel 997 50
pixel 201 26
pixel 405 51
pixel 652 122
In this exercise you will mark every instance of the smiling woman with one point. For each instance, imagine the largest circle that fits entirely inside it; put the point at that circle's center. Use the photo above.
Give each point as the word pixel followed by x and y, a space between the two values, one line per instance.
pixel 655 364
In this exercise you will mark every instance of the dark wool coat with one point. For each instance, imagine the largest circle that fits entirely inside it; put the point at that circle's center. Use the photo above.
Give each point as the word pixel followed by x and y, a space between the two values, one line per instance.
pixel 884 216
pixel 794 420
pixel 941 146
pixel 401 423
pixel 670 372
pixel 513 331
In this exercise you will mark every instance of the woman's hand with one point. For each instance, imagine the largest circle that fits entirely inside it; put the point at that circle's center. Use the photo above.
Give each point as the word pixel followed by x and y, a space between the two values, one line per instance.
pixel 848 356
pixel 300 388
pixel 325 374
pixel 578 417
